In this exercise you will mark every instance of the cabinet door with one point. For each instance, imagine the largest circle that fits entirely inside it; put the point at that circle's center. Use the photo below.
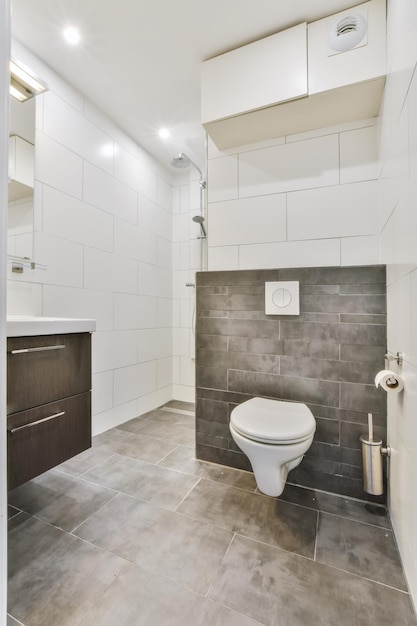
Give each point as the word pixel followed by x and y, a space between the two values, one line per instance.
pixel 259 75
pixel 46 368
pixel 43 437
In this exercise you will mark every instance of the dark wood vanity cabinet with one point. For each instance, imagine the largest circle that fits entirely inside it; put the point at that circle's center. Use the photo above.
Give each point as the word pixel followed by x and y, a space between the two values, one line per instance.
pixel 48 402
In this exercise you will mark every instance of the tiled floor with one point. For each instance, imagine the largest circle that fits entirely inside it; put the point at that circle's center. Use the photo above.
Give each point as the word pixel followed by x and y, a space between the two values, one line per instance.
pixel 136 532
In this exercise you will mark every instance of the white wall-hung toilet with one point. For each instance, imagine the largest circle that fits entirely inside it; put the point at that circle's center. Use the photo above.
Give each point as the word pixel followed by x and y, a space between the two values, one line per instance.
pixel 274 435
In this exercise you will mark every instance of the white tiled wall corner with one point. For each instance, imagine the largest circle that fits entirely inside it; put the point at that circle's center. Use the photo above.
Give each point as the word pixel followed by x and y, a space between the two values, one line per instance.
pixel 164 372
pixel 358 155
pixel 397 141
pixel 249 220
pixel 338 211
pixel 223 179
pixel 164 194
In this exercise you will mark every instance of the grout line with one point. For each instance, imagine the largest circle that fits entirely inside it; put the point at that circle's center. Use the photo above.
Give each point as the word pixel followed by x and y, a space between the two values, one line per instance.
pixel 167 454
pixel 187 494
pixel 71 532
pixel 220 564
pixel 316 537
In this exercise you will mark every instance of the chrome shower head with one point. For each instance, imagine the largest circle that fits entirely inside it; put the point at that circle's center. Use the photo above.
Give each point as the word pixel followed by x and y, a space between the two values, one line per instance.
pixel 181 161
pixel 199 219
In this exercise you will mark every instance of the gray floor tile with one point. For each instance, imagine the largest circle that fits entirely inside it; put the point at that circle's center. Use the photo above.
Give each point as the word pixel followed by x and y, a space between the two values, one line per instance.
pixel 151 483
pixel 338 505
pixel 59 499
pixel 138 598
pixel 12 511
pixel 148 421
pixel 133 445
pixel 12 622
pixel 277 587
pixel 181 434
pixel 182 459
pixel 359 548
pixel 185 550
pixel 54 578
pixel 84 461
pixel 278 523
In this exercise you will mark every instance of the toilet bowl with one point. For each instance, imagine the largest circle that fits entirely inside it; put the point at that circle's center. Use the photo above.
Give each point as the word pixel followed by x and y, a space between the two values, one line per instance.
pixel 274 435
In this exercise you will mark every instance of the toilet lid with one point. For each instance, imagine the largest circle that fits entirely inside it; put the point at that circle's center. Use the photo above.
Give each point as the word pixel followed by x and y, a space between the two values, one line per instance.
pixel 273 421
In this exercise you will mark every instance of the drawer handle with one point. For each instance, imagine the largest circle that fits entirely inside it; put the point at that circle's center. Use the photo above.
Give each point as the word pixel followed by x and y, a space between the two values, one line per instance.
pixel 44 419
pixel 40 349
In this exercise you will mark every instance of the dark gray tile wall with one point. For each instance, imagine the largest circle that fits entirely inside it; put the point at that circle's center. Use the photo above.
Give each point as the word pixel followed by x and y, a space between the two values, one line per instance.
pixel 326 357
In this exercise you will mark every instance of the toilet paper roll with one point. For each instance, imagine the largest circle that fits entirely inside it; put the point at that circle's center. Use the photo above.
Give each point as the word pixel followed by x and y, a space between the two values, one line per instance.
pixel 389 381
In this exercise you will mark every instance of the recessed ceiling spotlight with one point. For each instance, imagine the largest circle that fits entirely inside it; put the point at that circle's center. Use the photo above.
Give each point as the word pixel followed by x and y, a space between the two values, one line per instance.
pixel 164 133
pixel 72 35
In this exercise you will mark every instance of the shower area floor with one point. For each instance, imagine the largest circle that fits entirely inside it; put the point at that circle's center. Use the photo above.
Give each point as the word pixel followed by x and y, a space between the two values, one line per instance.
pixel 137 532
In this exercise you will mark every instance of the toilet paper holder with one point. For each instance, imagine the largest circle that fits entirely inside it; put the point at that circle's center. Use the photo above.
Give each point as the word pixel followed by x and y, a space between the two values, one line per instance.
pixel 399 357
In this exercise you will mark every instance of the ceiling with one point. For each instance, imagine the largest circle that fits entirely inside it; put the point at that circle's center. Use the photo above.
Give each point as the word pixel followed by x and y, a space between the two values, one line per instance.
pixel 139 60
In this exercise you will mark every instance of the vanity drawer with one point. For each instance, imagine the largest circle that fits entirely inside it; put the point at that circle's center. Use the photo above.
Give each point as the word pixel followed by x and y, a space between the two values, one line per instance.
pixel 45 368
pixel 40 438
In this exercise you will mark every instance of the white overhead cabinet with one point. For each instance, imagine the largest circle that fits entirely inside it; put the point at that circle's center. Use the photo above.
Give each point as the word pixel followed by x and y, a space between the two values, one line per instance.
pixel 255 76
pixel 306 77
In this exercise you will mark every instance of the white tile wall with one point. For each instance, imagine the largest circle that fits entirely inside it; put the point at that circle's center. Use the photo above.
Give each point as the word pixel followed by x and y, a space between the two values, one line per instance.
pixel 63 214
pixel 319 252
pixel 223 178
pixel 57 166
pixel 358 155
pixel 250 220
pixel 79 303
pixel 103 226
pixel 398 140
pixel 300 165
pixel 105 192
pixel 338 211
pixel 306 199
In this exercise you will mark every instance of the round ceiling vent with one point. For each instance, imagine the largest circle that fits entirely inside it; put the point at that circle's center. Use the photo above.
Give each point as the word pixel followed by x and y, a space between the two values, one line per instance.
pixel 348 33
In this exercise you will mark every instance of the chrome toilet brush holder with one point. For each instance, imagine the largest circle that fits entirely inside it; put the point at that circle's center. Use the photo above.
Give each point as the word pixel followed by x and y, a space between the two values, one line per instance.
pixel 372 455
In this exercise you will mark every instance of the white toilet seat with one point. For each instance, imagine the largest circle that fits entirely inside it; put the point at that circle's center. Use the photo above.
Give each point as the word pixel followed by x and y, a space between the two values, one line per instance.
pixel 273 421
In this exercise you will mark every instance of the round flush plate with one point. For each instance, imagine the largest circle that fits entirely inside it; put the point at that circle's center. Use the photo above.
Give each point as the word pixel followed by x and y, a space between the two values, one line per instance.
pixel 281 297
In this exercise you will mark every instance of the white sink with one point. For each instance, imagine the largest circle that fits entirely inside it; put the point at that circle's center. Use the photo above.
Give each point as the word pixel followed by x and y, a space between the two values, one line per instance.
pixel 28 325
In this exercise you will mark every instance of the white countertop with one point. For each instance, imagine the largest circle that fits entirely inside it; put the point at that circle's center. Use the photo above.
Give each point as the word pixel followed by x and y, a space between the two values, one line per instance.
pixel 28 326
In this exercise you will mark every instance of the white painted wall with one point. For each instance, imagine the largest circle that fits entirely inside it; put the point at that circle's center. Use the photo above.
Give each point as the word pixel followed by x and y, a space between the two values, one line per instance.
pixel 309 199
pixel 103 227
pixel 398 225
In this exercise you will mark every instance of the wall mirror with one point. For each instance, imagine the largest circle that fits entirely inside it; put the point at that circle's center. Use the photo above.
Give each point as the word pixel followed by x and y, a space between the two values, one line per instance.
pixel 21 178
